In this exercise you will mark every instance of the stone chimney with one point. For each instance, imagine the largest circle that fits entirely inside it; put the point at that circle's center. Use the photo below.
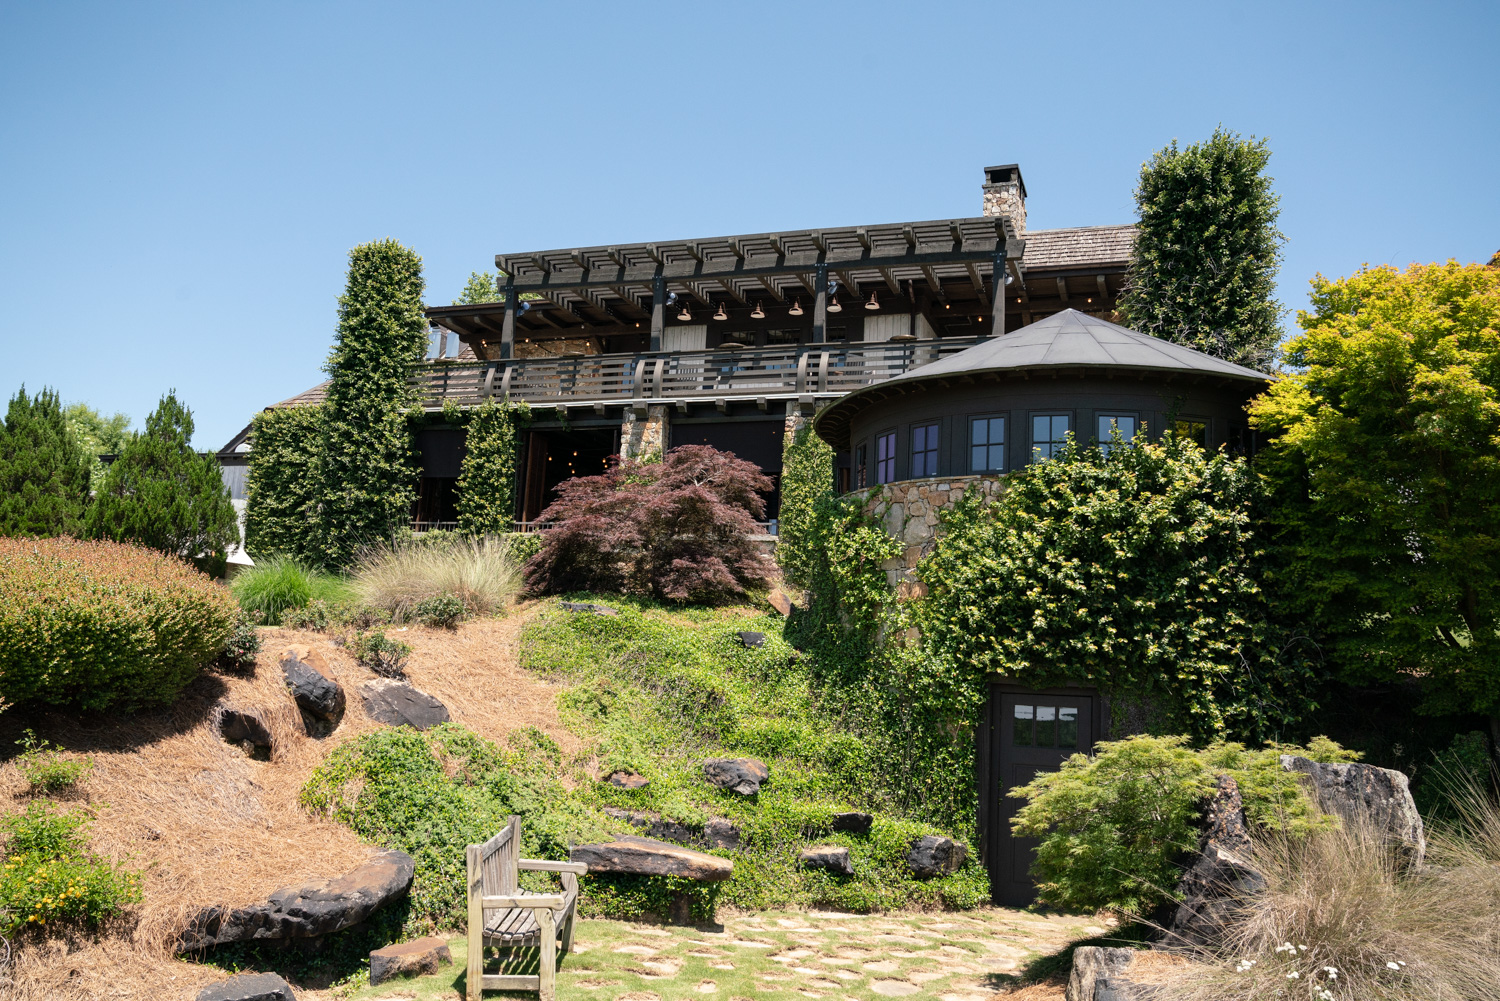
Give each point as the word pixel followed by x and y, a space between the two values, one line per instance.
pixel 1005 195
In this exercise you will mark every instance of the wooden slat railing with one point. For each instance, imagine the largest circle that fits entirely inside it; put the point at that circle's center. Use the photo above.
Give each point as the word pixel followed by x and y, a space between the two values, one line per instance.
pixel 750 372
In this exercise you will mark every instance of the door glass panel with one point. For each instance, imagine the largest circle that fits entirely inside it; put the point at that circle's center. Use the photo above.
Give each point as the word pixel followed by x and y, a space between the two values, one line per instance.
pixel 1046 726
pixel 1067 726
pixel 1021 735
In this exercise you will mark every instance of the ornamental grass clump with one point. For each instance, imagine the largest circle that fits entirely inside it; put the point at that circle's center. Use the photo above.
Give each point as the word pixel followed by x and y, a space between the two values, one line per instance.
pixel 398 577
pixel 98 624
pixel 276 585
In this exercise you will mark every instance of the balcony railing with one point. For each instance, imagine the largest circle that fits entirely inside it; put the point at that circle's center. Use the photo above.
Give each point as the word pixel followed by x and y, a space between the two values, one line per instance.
pixel 774 370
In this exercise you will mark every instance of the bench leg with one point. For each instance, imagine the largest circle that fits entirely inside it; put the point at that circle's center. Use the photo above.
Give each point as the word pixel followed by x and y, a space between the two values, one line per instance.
pixel 548 969
pixel 474 979
pixel 567 935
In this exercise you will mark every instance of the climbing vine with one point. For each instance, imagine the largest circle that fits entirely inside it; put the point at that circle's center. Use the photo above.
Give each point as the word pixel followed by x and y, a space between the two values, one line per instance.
pixel 806 478
pixel 487 480
pixel 283 490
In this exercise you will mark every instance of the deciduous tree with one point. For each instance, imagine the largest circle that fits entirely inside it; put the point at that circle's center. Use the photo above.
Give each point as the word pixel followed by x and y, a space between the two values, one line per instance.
pixel 97 435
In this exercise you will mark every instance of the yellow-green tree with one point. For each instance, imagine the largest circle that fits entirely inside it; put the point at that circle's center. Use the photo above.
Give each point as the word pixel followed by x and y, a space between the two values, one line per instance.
pixel 1386 464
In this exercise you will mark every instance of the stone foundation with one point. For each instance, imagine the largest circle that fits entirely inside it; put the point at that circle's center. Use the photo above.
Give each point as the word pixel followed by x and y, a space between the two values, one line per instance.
pixel 909 511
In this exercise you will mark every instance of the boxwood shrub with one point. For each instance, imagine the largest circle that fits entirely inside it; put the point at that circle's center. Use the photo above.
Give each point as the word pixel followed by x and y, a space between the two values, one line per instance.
pixel 97 624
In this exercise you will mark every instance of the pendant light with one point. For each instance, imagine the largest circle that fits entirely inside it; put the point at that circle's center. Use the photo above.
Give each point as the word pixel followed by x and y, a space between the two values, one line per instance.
pixel 757 313
pixel 874 303
pixel 833 305
pixel 721 315
pixel 796 309
pixel 685 314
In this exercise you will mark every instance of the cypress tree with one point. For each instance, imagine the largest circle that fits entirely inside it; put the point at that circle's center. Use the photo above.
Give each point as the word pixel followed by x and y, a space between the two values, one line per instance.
pixel 1207 250
pixel 161 494
pixel 368 468
pixel 44 474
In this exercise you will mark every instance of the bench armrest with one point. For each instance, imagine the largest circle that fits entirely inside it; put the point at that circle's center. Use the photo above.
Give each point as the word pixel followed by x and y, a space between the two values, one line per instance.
pixel 524 901
pixel 546 865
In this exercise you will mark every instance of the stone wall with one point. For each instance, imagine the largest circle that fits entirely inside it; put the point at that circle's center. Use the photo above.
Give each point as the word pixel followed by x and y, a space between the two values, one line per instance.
pixel 641 436
pixel 1004 199
pixel 909 511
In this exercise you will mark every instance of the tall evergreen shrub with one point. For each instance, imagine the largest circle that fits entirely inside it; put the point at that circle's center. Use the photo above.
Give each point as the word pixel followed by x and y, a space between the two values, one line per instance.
pixel 487 480
pixel 161 494
pixel 368 468
pixel 44 475
pixel 806 478
pixel 1207 250
pixel 281 507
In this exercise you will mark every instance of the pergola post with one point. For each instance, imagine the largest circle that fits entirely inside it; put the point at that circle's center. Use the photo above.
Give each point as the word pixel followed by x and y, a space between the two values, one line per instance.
pixel 997 326
pixel 820 303
pixel 508 327
pixel 658 308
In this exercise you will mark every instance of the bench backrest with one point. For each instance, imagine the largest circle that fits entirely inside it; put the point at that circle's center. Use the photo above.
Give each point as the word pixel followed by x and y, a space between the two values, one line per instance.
pixel 496 861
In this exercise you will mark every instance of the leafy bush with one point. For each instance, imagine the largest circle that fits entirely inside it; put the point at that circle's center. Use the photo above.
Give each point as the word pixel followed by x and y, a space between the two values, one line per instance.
pixel 46 769
pixel 678 529
pixel 49 874
pixel 242 646
pixel 321 615
pixel 479 572
pixel 161 494
pixel 441 610
pixel 1113 826
pixel 487 482
pixel 44 474
pixel 282 489
pixel 384 656
pixel 274 585
pixel 523 546
pixel 95 624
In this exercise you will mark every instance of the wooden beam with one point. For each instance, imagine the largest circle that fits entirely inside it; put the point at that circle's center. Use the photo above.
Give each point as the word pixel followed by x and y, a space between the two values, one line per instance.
pixel 978 281
pixel 1103 293
pixel 1062 290
pixel 770 286
pixel 728 287
pixel 693 251
pixel 890 281
pixel 1019 285
pixel 911 238
pixel 847 279
pixel 863 236
pixel 935 283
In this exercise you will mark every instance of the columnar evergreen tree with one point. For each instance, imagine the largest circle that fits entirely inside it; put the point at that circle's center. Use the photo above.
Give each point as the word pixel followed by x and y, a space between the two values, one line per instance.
pixel 281 505
pixel 161 494
pixel 1207 250
pixel 806 478
pixel 44 475
pixel 487 481
pixel 368 467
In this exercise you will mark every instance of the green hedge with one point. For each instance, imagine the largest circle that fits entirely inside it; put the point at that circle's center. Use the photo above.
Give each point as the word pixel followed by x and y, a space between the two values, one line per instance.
pixel 95 624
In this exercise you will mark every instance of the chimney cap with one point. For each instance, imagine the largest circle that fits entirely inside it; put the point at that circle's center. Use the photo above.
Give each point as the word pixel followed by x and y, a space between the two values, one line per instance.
pixel 1003 173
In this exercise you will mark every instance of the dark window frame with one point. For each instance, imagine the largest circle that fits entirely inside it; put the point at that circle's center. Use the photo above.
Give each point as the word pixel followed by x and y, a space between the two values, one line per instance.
pixel 1104 440
pixel 862 466
pixel 1174 427
pixel 1053 443
pixel 885 465
pixel 924 463
pixel 989 444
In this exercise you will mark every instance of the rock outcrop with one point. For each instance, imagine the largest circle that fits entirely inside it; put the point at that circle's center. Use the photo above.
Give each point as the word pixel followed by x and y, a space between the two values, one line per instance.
pixel 1215 887
pixel 248 730
pixel 751 640
pixel 308 911
pixel 721 833
pixel 1358 793
pixel 934 855
pixel 1102 974
pixel 588 607
pixel 315 693
pixel 830 858
pixel 249 987
pixel 626 779
pixel 853 822
pixel 409 959
pixel 643 856
pixel 398 704
pixel 741 775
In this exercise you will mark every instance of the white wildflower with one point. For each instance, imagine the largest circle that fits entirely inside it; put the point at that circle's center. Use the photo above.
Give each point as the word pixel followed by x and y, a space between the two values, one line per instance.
pixel 1293 975
pixel 1392 966
pixel 1332 971
pixel 1302 948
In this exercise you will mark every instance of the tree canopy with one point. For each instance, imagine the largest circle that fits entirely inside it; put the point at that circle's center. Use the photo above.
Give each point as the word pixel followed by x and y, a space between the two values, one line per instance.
pixel 161 494
pixel 44 474
pixel 481 287
pixel 1207 250
pixel 97 435
pixel 1386 464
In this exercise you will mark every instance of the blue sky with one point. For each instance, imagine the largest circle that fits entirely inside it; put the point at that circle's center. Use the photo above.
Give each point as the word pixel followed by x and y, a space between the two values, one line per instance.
pixel 180 183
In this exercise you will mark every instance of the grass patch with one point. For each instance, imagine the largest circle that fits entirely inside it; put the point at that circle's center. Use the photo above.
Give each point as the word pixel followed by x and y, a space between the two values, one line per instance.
pixel 403 578
pixel 276 585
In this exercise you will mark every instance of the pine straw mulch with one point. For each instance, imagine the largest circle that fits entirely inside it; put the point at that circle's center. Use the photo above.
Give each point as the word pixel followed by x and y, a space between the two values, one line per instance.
pixel 209 825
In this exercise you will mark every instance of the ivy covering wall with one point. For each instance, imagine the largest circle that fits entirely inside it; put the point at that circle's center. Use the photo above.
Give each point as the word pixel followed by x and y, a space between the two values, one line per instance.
pixel 487 481
pixel 284 482
pixel 806 479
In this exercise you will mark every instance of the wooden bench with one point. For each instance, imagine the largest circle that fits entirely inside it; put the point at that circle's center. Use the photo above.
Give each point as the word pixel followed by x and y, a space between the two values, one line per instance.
pixel 504 916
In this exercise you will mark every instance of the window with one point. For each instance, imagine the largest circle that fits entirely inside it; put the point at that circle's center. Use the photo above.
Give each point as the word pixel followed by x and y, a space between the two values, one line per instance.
pixel 987 445
pixel 861 465
pixel 1044 726
pixel 1191 430
pixel 1108 423
pixel 1049 433
pixel 885 457
pixel 924 450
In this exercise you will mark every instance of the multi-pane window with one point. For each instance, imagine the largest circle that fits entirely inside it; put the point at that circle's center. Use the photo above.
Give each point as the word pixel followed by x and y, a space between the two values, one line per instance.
pixel 1044 726
pixel 987 445
pixel 1191 430
pixel 924 450
pixel 1109 423
pixel 885 457
pixel 861 467
pixel 1049 433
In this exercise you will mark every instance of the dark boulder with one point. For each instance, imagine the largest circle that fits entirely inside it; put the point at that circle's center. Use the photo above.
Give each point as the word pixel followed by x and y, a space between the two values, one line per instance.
pixel 853 822
pixel 721 833
pixel 249 987
pixel 645 857
pixel 398 704
pixel 409 959
pixel 588 607
pixel 1214 889
pixel 314 691
pixel 741 775
pixel 627 779
pixel 653 825
pixel 248 730
pixel 830 858
pixel 934 855
pixel 752 641
pixel 1364 794
pixel 307 911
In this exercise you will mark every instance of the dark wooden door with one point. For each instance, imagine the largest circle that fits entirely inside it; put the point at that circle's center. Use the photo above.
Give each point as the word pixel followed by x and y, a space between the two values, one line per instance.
pixel 1031 732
